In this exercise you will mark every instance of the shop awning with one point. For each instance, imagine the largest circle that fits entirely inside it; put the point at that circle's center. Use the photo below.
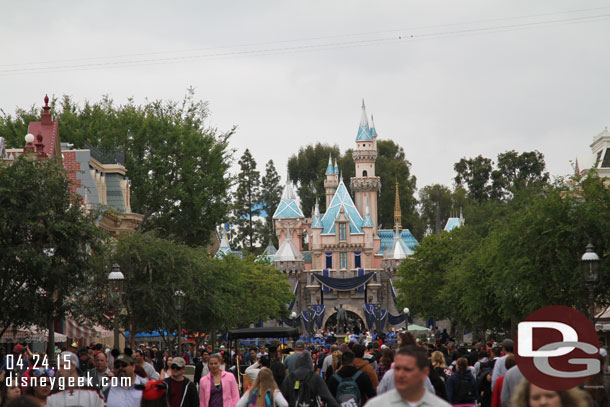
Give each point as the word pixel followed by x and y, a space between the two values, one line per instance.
pixel 32 333
pixel 73 330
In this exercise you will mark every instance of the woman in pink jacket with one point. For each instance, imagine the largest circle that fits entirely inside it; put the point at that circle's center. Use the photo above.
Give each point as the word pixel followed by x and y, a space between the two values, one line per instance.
pixel 218 388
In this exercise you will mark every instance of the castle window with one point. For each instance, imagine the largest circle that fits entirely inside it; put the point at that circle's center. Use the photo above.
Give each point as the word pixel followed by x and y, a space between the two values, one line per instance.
pixel 364 173
pixel 343 260
pixel 329 260
pixel 357 260
pixel 342 231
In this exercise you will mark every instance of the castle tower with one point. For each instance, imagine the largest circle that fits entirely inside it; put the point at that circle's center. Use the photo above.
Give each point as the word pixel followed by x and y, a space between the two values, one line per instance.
pixel 365 185
pixel 332 180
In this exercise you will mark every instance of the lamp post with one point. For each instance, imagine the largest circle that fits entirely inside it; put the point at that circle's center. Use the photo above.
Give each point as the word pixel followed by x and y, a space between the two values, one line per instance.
pixel 405 311
pixel 589 263
pixel 293 318
pixel 179 305
pixel 116 281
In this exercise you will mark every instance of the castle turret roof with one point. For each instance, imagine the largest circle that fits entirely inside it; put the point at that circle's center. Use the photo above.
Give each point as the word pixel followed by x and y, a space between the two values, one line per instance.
pixel 288 207
pixel 364 133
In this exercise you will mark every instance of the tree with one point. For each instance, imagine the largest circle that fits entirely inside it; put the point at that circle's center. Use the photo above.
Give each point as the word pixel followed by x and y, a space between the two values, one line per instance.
pixel 247 206
pixel 307 169
pixel 271 195
pixel 392 165
pixel 436 204
pixel 516 172
pixel 475 173
pixel 177 166
pixel 47 241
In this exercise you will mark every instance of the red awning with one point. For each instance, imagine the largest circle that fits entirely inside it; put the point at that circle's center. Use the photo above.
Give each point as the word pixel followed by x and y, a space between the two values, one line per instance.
pixel 74 330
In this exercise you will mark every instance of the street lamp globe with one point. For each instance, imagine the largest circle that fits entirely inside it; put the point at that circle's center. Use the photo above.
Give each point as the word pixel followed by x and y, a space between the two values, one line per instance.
pixel 293 315
pixel 179 300
pixel 589 263
pixel 406 311
pixel 116 280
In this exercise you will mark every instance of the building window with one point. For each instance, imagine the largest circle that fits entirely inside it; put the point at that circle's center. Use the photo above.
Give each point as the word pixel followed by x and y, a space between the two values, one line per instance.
pixel 343 260
pixel 329 260
pixel 357 260
pixel 342 231
pixel 364 173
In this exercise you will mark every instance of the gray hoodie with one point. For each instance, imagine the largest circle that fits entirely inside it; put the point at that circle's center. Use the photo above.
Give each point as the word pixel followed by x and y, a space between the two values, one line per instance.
pixel 304 374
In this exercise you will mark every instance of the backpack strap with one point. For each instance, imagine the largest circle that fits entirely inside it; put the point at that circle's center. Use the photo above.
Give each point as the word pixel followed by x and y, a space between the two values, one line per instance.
pixel 357 375
pixel 338 378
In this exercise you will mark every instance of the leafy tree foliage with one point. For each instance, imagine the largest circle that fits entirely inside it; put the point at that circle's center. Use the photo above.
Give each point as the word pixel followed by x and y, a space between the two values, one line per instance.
pixel 307 168
pixel 271 195
pixel 247 205
pixel 47 243
pixel 513 258
pixel 178 167
pixel 475 173
pixel 516 172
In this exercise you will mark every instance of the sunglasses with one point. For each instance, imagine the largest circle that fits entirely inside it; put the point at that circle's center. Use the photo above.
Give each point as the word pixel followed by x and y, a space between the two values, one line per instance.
pixel 42 372
pixel 176 367
pixel 120 365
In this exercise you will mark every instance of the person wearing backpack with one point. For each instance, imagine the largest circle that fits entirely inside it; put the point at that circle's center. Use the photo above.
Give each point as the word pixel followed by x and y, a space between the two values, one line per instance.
pixel 304 388
pixel 351 387
pixel 462 386
pixel 264 392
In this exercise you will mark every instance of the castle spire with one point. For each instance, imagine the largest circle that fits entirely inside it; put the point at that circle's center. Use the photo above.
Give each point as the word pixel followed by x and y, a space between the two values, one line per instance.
pixel 330 169
pixel 397 212
pixel 373 131
pixel 364 133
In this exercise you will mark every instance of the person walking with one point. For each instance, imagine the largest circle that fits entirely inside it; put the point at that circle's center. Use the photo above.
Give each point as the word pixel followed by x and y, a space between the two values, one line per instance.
pixel 218 388
pixel 303 387
pixel 265 388
pixel 462 386
pixel 181 392
pixel 339 383
pixel 410 373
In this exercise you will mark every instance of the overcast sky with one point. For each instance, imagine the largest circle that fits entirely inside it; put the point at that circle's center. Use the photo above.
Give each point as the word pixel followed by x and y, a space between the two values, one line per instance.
pixel 444 79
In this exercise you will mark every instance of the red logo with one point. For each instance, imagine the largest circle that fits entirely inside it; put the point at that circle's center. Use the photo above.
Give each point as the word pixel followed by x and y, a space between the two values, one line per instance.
pixel 556 348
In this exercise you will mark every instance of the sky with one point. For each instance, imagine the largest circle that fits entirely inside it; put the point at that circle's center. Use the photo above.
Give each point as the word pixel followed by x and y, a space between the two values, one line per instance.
pixel 444 79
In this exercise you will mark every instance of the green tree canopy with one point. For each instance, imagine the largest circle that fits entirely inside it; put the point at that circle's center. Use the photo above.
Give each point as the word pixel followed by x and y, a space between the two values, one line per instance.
pixel 271 195
pixel 247 206
pixel 178 166
pixel 47 242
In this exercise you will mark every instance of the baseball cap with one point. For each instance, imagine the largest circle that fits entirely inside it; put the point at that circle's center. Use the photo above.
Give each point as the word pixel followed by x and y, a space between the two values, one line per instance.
pixel 299 344
pixel 18 348
pixel 178 361
pixel 124 358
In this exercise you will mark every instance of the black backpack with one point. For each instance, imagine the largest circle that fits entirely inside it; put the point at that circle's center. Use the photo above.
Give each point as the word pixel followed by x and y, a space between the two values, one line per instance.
pixel 306 396
pixel 465 391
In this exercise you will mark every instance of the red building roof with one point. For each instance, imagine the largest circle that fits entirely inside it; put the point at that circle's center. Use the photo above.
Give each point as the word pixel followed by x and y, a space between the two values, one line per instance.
pixel 48 129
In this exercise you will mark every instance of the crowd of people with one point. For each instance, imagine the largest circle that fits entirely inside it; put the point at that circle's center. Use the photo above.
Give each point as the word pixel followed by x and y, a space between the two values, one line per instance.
pixel 363 371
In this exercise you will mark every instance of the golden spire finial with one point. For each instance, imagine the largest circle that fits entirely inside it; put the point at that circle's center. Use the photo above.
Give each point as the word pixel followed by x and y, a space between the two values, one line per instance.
pixel 397 213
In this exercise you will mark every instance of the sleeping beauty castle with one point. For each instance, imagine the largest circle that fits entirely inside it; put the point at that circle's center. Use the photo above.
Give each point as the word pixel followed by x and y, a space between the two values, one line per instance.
pixel 341 258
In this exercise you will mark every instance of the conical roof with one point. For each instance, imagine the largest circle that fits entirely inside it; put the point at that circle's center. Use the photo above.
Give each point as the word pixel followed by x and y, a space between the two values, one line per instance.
pixel 224 247
pixel 364 133
pixel 398 250
pixel 316 222
pixel 330 169
pixel 368 220
pixel 288 251
pixel 288 207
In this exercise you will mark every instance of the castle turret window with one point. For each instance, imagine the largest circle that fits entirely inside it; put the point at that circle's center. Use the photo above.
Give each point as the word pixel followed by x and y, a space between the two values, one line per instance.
pixel 329 260
pixel 342 231
pixel 343 260
pixel 357 260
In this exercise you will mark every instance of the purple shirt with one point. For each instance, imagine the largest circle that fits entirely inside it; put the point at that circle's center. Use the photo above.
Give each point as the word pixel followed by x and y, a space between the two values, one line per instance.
pixel 215 394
